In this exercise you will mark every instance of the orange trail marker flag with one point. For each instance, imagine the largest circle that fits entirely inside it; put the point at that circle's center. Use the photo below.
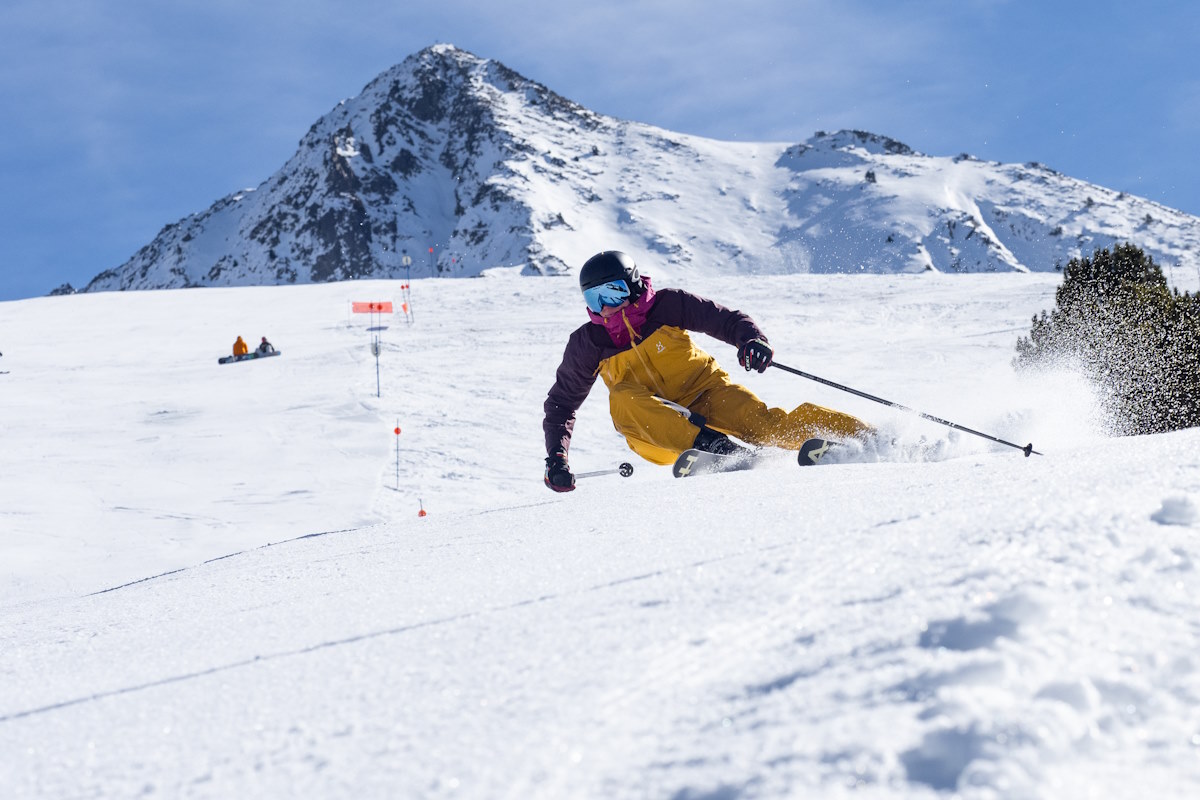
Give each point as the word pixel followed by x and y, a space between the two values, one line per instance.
pixel 406 303
pixel 384 307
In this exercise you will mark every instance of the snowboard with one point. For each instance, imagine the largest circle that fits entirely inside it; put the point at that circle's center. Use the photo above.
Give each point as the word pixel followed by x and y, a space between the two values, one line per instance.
pixel 248 357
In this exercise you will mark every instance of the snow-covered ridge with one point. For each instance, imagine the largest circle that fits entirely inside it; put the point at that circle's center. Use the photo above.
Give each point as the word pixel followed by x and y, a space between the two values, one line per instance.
pixel 461 164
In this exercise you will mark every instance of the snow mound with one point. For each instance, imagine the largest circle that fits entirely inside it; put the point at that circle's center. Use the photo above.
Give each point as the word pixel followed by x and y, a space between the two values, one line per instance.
pixel 1177 510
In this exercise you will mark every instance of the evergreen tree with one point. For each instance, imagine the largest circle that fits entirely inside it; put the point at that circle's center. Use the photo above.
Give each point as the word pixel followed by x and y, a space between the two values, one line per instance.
pixel 1118 323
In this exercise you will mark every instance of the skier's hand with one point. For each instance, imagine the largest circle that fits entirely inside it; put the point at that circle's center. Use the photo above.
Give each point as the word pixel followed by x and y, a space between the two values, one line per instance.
pixel 558 474
pixel 755 354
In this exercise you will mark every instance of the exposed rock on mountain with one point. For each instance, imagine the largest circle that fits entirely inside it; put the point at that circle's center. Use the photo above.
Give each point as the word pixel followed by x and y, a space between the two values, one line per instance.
pixel 461 164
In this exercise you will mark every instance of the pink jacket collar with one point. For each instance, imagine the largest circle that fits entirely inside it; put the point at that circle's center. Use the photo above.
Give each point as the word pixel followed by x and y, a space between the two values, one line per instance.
pixel 628 319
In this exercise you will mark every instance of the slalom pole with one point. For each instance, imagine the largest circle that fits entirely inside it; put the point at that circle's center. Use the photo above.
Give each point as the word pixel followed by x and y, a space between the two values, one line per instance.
pixel 1027 449
pixel 625 470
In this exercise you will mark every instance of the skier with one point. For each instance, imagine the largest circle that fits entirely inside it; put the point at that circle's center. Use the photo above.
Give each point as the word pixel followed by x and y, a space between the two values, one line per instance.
pixel 637 342
pixel 265 347
pixel 240 348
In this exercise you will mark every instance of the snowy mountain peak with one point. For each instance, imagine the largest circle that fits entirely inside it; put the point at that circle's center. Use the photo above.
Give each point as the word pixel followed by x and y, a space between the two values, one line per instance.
pixel 870 142
pixel 460 164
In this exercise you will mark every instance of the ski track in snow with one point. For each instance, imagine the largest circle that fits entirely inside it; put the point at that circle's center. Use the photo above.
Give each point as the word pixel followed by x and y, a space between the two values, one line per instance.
pixel 216 589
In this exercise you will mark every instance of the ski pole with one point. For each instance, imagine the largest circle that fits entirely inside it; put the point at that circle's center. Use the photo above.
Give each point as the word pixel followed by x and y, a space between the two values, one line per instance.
pixel 1027 449
pixel 625 470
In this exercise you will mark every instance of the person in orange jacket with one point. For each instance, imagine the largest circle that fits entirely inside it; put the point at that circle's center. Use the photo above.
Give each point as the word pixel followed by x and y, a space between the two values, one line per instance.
pixel 240 348
pixel 637 342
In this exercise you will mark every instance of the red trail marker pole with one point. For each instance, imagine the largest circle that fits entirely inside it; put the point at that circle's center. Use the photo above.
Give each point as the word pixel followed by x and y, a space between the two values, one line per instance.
pixel 397 432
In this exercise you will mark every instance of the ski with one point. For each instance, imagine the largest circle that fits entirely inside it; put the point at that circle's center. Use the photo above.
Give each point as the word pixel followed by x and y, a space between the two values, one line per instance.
pixel 701 462
pixel 813 450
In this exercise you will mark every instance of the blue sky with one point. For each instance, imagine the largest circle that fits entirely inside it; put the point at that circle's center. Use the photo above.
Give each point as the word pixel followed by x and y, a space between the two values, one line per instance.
pixel 123 116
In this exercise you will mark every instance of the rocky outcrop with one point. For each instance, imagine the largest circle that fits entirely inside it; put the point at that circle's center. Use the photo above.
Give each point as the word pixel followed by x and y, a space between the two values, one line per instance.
pixel 451 153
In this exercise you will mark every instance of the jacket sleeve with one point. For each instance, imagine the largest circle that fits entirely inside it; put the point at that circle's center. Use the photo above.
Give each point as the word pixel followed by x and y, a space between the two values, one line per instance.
pixel 703 315
pixel 572 383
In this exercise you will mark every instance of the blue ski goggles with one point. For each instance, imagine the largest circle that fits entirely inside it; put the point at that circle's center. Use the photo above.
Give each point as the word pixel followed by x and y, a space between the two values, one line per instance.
pixel 610 294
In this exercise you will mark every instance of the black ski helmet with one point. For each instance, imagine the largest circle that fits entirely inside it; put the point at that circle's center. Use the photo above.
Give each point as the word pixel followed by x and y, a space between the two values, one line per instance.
pixel 611 265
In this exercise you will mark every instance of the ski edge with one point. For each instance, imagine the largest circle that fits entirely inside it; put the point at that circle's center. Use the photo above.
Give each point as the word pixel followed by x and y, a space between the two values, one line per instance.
pixel 701 462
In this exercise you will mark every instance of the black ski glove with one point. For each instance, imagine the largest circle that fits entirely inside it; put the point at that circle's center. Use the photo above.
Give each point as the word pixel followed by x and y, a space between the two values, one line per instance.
pixel 558 474
pixel 755 354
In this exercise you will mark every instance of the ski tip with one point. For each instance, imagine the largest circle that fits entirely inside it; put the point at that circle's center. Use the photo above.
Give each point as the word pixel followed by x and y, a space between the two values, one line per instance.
pixel 685 463
pixel 701 462
pixel 812 451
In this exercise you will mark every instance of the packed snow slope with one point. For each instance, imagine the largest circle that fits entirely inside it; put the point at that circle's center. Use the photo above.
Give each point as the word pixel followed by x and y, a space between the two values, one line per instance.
pixel 459 164
pixel 214 585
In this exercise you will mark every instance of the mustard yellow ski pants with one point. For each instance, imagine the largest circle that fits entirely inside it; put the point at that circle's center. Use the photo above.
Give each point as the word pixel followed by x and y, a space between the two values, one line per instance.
pixel 668 365
pixel 659 433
